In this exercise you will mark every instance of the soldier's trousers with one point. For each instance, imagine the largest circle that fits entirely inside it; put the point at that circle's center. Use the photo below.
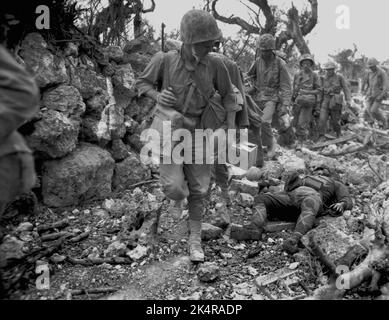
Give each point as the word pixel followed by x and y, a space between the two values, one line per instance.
pixel 269 108
pixel 301 205
pixel 303 115
pixel 333 112
pixel 374 108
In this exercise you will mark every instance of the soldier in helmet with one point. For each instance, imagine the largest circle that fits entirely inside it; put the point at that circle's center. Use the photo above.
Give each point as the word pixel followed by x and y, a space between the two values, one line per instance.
pixel 332 101
pixel 273 91
pixel 188 78
pixel 376 90
pixel 306 91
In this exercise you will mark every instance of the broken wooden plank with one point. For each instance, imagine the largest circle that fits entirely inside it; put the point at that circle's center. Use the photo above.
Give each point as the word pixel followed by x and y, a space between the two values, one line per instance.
pixel 80 237
pixel 56 225
pixel 335 141
pixel 57 235
pixel 78 292
pixel 274 276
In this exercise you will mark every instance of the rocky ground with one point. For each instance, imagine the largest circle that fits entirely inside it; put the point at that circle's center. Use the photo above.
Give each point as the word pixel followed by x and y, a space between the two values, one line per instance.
pixel 112 249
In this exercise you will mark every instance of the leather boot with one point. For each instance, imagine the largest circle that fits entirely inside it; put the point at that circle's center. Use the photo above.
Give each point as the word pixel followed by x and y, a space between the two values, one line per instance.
pixel 195 251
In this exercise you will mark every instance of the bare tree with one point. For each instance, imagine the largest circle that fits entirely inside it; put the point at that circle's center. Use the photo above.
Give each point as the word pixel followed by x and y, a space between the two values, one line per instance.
pixel 289 33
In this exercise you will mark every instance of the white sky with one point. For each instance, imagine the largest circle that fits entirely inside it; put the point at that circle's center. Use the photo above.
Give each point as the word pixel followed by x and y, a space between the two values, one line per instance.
pixel 369 22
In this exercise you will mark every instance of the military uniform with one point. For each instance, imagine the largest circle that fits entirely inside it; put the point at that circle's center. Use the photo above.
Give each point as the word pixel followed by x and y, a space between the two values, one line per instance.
pixel 377 88
pixel 306 88
pixel 332 102
pixel 207 74
pixel 273 93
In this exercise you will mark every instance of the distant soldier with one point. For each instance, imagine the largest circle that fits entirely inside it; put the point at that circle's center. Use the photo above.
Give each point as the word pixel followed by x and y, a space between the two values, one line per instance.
pixel 376 90
pixel 306 91
pixel 273 91
pixel 332 85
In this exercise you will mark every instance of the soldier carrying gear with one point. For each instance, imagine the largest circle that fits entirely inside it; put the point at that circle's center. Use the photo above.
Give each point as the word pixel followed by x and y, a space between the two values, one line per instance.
pixel 272 84
pixel 185 80
pixel 332 101
pixel 306 89
pixel 376 89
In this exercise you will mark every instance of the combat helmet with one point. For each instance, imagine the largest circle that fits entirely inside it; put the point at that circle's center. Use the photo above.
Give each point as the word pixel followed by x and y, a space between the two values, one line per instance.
pixel 198 26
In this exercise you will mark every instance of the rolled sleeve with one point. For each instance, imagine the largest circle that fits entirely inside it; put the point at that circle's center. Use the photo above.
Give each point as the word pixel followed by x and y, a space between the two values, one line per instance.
pixel 151 75
pixel 343 195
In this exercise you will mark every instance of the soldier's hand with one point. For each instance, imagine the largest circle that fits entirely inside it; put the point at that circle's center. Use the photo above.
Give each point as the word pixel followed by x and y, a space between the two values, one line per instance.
pixel 339 207
pixel 166 98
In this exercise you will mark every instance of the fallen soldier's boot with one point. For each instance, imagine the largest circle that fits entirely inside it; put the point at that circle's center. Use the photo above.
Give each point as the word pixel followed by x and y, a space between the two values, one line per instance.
pixel 195 250
pixel 244 233
pixel 291 245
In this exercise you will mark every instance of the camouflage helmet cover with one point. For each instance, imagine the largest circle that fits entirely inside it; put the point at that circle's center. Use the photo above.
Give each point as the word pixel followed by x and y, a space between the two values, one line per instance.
pixel 308 57
pixel 329 65
pixel 372 62
pixel 198 26
pixel 267 42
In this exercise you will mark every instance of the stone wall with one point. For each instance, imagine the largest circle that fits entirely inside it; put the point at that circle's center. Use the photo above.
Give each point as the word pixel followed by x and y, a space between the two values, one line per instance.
pixel 75 161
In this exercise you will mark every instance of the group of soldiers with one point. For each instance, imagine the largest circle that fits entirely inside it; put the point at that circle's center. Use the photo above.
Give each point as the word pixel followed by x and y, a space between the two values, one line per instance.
pixel 187 80
pixel 195 69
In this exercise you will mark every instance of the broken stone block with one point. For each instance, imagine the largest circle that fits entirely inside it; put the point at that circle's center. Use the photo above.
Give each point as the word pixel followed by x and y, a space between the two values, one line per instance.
pixel 331 236
pixel 129 171
pixel 47 68
pixel 116 248
pixel 96 104
pixel 244 233
pixel 208 272
pixel 210 232
pixel 246 200
pixel 65 99
pixel 55 135
pixel 119 150
pixel 85 174
pixel 138 253
pixel 10 249
pixel 277 226
pixel 244 186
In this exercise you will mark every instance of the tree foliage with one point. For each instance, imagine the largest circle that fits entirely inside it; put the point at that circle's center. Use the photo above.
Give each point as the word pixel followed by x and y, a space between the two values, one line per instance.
pixel 351 66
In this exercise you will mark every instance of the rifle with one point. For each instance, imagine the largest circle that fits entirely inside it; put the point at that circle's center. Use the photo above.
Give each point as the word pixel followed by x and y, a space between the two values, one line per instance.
pixel 163 36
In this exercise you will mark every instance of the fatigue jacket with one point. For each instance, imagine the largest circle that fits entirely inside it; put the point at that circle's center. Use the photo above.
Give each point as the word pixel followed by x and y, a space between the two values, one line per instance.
pixel 306 81
pixel 272 81
pixel 19 98
pixel 334 85
pixel 377 84
pixel 171 69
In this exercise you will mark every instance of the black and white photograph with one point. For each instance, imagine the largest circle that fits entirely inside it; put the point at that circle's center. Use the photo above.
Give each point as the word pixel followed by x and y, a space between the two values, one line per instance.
pixel 206 157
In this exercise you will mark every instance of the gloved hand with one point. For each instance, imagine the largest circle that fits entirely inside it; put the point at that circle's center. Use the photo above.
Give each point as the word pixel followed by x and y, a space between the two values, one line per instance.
pixel 167 98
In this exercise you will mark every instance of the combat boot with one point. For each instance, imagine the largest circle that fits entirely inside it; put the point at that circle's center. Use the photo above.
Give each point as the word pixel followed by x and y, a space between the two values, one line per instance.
pixel 195 250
